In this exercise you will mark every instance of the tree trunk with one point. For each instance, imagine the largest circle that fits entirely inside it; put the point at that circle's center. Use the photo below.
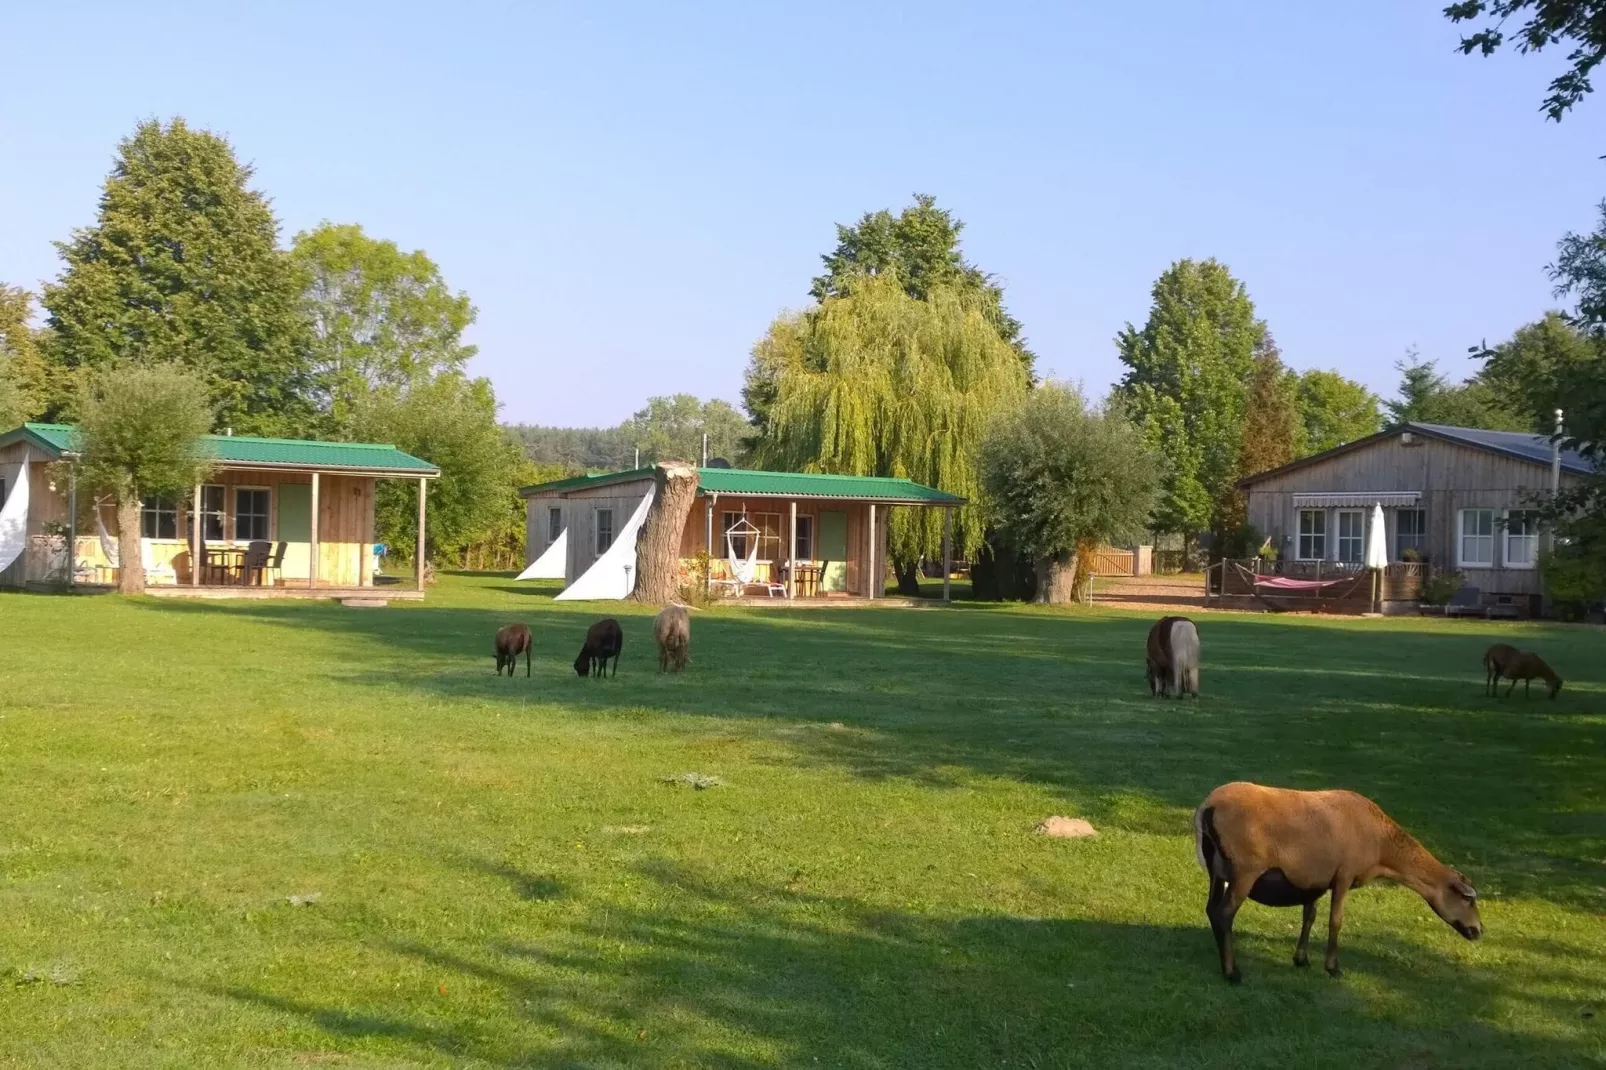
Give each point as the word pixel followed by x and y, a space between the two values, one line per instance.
pixel 1056 579
pixel 131 564
pixel 1082 585
pixel 658 543
pixel 908 577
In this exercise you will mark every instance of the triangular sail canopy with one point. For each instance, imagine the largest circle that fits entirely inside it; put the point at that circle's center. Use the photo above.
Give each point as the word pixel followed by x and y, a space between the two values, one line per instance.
pixel 551 565
pixel 613 575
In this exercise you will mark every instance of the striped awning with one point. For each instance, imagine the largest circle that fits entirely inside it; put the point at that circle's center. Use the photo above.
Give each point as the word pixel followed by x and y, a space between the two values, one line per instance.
pixel 1388 499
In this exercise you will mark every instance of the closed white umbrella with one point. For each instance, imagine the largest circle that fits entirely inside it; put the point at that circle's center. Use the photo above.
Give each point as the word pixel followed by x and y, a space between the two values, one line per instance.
pixel 1377 546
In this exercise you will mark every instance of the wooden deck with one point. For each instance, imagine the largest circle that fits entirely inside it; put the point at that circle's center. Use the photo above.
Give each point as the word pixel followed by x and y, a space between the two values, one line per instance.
pixel 355 596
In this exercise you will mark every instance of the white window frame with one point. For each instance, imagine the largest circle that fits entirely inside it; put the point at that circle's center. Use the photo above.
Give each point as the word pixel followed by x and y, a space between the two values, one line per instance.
pixel 805 537
pixel 267 517
pixel 1420 545
pixel 1300 536
pixel 1531 538
pixel 602 547
pixel 1461 538
pixel 221 513
pixel 1340 538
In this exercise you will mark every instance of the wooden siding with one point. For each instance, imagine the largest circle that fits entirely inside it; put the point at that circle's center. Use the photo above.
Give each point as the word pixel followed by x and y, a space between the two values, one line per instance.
pixel 1449 476
pixel 345 523
pixel 536 541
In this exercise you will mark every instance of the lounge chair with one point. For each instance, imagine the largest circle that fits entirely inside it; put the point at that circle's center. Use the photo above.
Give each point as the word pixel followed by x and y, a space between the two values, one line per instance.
pixel 1466 602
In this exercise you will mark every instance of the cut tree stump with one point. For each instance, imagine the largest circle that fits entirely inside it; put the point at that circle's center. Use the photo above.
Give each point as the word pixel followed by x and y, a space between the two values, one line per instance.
pixel 658 542
pixel 1071 828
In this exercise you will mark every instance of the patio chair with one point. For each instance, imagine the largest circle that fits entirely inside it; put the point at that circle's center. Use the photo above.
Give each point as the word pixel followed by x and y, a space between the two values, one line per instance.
pixel 275 564
pixel 162 573
pixel 255 564
pixel 1466 602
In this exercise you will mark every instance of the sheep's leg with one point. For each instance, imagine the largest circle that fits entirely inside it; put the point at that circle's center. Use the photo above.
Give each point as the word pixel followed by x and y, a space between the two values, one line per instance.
pixel 1237 890
pixel 1301 953
pixel 1335 922
pixel 1512 688
pixel 1526 684
pixel 526 663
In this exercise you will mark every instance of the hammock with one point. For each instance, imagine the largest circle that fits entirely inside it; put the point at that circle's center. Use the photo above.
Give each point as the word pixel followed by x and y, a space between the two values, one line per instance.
pixel 1287 583
pixel 744 569
pixel 1264 588
pixel 107 546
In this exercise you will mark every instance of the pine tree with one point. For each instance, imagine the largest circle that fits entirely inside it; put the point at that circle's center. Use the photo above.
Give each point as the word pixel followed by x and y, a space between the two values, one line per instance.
pixel 182 267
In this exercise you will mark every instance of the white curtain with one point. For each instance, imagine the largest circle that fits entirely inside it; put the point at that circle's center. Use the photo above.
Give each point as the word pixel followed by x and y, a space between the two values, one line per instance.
pixel 551 565
pixel 108 546
pixel 613 575
pixel 14 518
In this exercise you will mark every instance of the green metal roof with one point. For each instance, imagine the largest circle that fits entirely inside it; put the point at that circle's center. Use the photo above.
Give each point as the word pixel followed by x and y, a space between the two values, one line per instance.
pixel 294 453
pixel 743 482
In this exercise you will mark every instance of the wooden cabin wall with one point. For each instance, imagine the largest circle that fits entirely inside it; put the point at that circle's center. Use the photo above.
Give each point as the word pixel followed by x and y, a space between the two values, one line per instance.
pixel 536 515
pixel 1450 477
pixel 694 537
pixel 580 515
pixel 45 506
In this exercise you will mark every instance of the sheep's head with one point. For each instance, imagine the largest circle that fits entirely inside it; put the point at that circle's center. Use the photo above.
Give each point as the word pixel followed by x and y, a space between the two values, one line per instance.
pixel 1456 901
pixel 582 664
pixel 1555 684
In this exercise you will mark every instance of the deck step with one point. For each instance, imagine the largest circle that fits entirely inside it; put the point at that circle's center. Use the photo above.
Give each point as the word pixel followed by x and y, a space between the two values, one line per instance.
pixel 366 603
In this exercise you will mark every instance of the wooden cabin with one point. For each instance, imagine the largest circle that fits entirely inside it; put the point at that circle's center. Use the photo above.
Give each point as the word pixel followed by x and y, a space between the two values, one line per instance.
pixel 311 502
pixel 808 535
pixel 1454 498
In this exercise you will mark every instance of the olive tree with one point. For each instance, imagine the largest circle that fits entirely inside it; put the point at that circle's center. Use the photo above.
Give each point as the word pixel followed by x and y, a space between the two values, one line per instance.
pixel 1061 479
pixel 140 428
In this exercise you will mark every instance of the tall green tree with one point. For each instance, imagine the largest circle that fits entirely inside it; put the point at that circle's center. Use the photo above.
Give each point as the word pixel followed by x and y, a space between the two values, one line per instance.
pixel 139 429
pixel 877 383
pixel 672 428
pixel 25 374
pixel 380 318
pixel 1185 385
pixel 182 266
pixel 1061 480
pixel 1333 410
pixel 1426 396
pixel 449 420
pixel 1543 367
pixel 1580 24
pixel 919 247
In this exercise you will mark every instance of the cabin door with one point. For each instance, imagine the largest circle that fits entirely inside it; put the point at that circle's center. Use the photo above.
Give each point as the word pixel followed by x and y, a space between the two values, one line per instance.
pixel 833 550
pixel 295 529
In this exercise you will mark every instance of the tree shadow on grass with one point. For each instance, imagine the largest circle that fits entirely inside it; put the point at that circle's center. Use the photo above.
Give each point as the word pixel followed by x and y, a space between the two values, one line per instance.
pixel 1513 795
pixel 740 974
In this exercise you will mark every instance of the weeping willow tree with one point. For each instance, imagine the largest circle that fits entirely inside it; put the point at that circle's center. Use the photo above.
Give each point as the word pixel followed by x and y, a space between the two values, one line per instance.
pixel 873 382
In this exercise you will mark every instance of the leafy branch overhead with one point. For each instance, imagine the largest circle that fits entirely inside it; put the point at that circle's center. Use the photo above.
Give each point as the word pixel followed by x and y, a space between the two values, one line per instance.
pixel 1581 23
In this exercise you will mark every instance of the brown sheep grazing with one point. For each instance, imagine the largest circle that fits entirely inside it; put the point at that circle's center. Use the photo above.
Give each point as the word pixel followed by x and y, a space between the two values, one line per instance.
pixel 1283 848
pixel 604 640
pixel 511 641
pixel 1171 657
pixel 672 629
pixel 1506 661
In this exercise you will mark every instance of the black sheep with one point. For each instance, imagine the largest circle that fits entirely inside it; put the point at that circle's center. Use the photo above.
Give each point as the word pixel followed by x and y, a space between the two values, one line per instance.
pixel 604 640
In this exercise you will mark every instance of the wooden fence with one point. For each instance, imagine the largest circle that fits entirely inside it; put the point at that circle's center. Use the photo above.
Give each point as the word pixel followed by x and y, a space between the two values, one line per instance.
pixel 1108 561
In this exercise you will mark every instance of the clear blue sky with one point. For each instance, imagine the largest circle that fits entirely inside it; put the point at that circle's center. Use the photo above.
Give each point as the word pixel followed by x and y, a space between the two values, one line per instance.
pixel 631 193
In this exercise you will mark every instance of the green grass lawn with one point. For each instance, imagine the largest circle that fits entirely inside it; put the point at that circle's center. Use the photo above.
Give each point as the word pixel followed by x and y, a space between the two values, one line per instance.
pixel 503 879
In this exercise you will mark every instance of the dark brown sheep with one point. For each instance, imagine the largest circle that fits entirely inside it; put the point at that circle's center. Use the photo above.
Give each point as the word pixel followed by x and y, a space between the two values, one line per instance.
pixel 511 641
pixel 672 629
pixel 1283 848
pixel 604 640
pixel 1506 661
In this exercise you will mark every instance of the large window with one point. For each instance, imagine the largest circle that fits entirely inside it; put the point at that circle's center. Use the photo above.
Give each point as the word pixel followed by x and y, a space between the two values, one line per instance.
pixel 769 535
pixel 1476 538
pixel 604 530
pixel 212 513
pixel 1522 538
pixel 250 513
pixel 158 518
pixel 1312 534
pixel 1351 536
pixel 554 524
pixel 805 538
pixel 1410 532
